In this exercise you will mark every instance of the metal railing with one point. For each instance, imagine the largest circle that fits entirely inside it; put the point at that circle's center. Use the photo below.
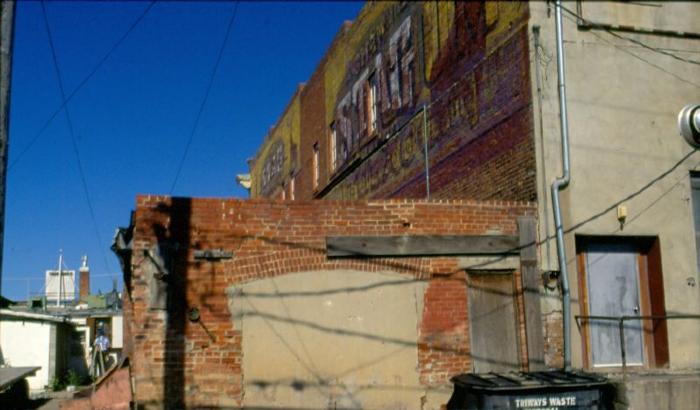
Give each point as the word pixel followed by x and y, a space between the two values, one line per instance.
pixel 621 326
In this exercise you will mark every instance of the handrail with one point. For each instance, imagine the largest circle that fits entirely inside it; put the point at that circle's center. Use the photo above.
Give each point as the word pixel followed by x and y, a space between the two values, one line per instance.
pixel 621 321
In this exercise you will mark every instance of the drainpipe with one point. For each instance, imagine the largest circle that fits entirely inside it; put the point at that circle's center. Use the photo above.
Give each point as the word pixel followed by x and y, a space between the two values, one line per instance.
pixel 559 184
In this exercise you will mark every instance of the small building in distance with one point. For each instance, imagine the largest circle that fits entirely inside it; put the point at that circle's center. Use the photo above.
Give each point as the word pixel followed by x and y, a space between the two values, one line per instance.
pixel 57 330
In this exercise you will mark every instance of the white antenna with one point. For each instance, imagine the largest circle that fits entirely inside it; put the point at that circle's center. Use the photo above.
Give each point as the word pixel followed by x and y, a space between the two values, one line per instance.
pixel 60 276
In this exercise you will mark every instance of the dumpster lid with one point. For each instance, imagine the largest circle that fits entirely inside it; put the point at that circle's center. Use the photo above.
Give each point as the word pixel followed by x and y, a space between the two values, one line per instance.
pixel 518 381
pixel 9 375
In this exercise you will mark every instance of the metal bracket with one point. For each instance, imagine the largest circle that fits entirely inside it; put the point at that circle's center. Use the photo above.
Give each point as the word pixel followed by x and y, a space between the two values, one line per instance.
pixel 212 254
pixel 162 273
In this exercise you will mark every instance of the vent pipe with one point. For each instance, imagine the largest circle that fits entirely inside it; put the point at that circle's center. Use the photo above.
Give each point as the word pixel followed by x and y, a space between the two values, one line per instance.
pixel 559 184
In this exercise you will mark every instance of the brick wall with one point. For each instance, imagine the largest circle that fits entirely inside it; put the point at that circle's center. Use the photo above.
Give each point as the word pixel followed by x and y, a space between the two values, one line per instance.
pixel 313 131
pixel 444 345
pixel 178 362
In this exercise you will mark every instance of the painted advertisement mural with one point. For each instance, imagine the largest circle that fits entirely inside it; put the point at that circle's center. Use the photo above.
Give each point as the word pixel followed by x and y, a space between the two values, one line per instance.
pixel 465 64
pixel 409 83
pixel 277 158
pixel 380 82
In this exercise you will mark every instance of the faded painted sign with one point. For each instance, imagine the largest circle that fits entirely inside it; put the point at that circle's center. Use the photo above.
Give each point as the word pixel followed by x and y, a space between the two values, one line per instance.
pixel 465 63
pixel 277 158
pixel 443 56
pixel 272 165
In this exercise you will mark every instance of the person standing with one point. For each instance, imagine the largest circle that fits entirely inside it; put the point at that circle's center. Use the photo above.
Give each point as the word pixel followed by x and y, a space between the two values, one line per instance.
pixel 100 349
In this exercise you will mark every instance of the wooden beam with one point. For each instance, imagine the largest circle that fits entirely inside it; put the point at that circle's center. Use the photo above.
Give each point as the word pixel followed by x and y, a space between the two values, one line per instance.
pixel 531 297
pixel 421 245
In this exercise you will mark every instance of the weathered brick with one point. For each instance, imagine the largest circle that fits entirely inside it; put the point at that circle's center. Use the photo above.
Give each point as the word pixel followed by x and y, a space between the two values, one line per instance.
pixel 170 355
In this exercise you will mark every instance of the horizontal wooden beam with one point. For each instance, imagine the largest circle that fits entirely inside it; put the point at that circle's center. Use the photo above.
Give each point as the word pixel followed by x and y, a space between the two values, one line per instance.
pixel 421 245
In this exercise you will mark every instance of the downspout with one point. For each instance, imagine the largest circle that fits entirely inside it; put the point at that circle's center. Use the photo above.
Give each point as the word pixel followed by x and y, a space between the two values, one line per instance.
pixel 559 184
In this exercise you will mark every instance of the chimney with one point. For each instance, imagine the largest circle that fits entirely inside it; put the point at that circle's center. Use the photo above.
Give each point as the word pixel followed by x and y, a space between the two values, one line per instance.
pixel 84 279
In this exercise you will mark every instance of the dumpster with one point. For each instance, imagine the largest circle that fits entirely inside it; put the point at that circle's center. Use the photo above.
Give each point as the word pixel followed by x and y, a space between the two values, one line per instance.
pixel 550 390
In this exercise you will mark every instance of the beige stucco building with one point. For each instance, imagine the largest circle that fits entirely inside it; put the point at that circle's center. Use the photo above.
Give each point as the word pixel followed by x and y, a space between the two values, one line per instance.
pixel 630 68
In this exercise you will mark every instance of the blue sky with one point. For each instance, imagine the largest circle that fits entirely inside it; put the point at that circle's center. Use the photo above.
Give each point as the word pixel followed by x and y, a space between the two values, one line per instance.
pixel 132 120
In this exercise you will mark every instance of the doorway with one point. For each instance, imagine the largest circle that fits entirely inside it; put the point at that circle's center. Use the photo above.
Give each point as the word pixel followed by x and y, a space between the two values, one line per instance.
pixel 621 276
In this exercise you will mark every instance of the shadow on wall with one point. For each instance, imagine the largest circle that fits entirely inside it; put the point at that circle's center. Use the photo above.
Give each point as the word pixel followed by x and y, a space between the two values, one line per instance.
pixel 175 238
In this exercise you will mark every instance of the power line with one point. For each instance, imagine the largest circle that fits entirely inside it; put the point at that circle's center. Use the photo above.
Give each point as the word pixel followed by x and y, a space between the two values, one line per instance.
pixel 676 76
pixel 658 67
pixel 82 83
pixel 657 50
pixel 72 134
pixel 620 48
pixel 680 50
pixel 630 196
pixel 206 97
pixel 637 42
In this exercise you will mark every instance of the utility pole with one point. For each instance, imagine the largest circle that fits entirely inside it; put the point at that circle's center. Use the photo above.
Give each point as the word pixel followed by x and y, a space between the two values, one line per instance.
pixel 7 20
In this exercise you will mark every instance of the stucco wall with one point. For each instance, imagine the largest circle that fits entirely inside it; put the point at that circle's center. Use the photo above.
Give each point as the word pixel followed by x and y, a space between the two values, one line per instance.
pixel 330 338
pixel 623 101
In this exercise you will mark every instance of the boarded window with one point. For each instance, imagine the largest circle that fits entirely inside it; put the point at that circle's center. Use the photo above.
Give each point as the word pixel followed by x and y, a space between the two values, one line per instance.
pixel 493 324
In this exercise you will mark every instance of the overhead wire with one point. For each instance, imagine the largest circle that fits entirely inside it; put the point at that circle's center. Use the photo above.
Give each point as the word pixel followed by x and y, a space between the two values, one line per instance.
pixel 212 77
pixel 206 97
pixel 631 195
pixel 632 40
pixel 655 49
pixel 81 84
pixel 72 135
pixel 658 67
